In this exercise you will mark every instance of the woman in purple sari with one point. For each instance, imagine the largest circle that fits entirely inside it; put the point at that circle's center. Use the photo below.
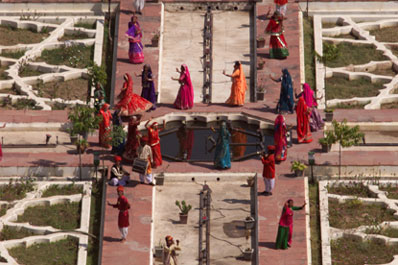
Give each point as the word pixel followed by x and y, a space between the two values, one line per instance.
pixel 134 35
pixel 316 122
pixel 148 85
pixel 185 97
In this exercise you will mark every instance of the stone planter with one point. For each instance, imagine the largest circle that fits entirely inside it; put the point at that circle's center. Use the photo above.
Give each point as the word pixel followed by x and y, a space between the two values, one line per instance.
pixel 155 42
pixel 158 252
pixel 159 180
pixel 250 182
pixel 249 223
pixel 73 139
pixel 329 116
pixel 326 148
pixel 260 43
pixel 183 218
pixel 248 254
pixel 260 95
pixel 299 173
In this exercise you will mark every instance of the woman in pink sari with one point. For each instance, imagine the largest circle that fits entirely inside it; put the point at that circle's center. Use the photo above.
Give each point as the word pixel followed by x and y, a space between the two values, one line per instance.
pixel 134 35
pixel 280 139
pixel 185 95
pixel 316 122
pixel 285 229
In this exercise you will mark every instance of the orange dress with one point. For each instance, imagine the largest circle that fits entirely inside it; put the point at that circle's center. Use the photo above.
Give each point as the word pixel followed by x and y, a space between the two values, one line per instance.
pixel 238 88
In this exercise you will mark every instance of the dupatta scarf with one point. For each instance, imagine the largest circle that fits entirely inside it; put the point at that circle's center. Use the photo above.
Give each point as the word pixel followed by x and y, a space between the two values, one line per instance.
pixel 127 93
pixel 308 96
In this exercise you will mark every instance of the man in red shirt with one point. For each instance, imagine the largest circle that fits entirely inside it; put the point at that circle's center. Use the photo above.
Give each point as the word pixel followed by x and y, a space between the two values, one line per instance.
pixel 269 170
pixel 123 206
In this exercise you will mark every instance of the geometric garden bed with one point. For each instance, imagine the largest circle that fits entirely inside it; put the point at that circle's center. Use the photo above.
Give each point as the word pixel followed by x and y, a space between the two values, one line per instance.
pixel 22 240
pixel 359 221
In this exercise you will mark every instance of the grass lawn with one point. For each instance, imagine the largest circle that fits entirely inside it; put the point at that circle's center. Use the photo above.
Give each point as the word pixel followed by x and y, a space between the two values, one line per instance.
pixel 95 222
pixel 55 190
pixel 3 75
pixel 77 56
pixel 68 90
pixel 392 191
pixel 394 50
pixel 388 34
pixel 21 104
pixel 10 232
pixel 62 252
pixel 393 105
pixel 346 36
pixel 389 232
pixel 388 72
pixel 85 25
pixel 328 25
pixel 75 36
pixel 10 36
pixel 58 105
pixel 342 88
pixel 354 251
pixel 309 54
pixel 350 105
pixel 15 190
pixel 315 224
pixel 13 55
pixel 355 54
pixel 64 216
pixel 353 189
pixel 27 71
pixel 354 213
pixel 3 209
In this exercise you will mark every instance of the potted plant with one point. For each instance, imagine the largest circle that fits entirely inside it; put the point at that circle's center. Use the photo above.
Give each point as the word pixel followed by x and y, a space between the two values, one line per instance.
pixel 184 210
pixel 260 42
pixel 328 114
pixel 81 145
pixel 249 223
pixel 83 120
pixel 260 65
pixel 159 179
pixel 250 181
pixel 260 92
pixel 248 254
pixel 298 168
pixel 73 137
pixel 159 250
pixel 155 39
pixel 327 141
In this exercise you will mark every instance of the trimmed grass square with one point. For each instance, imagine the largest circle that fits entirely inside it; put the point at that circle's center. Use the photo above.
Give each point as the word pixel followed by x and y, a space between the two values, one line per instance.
pixel 64 216
pixel 315 224
pixel 350 105
pixel 309 54
pixel 75 36
pixel 86 25
pixel 77 56
pixel 10 36
pixel 27 71
pixel 388 34
pixel 68 90
pixel 3 75
pixel 10 232
pixel 355 54
pixel 393 105
pixel 15 190
pixel 55 190
pixel 352 189
pixel 62 252
pixel 392 191
pixel 13 55
pixel 342 88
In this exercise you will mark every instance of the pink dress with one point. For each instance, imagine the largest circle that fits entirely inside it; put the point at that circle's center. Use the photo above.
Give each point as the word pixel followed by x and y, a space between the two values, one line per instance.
pixel 185 95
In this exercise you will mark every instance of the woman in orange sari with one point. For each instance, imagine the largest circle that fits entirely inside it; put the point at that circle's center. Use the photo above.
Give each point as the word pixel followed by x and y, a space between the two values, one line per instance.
pixel 105 126
pixel 129 102
pixel 303 122
pixel 239 86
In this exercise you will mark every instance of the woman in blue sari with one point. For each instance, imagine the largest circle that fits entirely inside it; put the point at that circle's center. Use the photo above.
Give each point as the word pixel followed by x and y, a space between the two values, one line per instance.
pixel 286 100
pixel 134 35
pixel 148 85
pixel 222 156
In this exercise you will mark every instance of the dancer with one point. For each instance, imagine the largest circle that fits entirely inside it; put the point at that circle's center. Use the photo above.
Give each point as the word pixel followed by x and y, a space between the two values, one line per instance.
pixel 316 122
pixel 132 144
pixel 277 45
pixel 148 85
pixel 285 229
pixel 123 219
pixel 303 125
pixel 154 141
pixel 119 177
pixel 286 100
pixel 129 102
pixel 269 170
pixel 105 126
pixel 239 86
pixel 145 153
pixel 134 35
pixel 185 94
pixel 222 156
pixel 1 150
pixel 280 138
pixel 169 251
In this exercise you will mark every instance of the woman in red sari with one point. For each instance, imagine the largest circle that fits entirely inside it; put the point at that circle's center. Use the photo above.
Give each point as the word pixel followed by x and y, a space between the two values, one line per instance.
pixel 280 139
pixel 130 149
pixel 154 142
pixel 303 122
pixel 277 44
pixel 129 102
pixel 105 126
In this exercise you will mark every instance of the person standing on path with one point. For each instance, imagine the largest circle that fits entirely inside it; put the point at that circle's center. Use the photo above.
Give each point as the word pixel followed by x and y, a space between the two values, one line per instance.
pixel 148 86
pixel 286 100
pixel 269 170
pixel 105 126
pixel 139 6
pixel 285 229
pixel 185 95
pixel 169 251
pixel 123 205
pixel 277 44
pixel 154 141
pixel 280 139
pixel 303 122
pixel 239 86
pixel 134 36
pixel 145 153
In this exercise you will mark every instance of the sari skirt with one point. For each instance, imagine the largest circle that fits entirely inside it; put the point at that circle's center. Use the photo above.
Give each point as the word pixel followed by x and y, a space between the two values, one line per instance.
pixel 157 155
pixel 136 53
pixel 222 156
pixel 282 237
pixel 278 47
pixel 184 98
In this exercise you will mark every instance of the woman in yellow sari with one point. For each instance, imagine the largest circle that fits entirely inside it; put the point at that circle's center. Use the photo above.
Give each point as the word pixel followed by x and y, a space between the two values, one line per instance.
pixel 239 86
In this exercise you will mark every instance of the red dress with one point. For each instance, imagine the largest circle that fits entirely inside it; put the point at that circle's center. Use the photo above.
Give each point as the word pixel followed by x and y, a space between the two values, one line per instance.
pixel 130 101
pixel 123 206
pixel 105 127
pixel 269 166
pixel 277 44
pixel 130 149
pixel 303 122
pixel 154 142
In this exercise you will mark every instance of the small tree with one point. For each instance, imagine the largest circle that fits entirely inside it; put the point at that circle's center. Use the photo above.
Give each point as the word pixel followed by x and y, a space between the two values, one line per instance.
pixel 97 74
pixel 345 136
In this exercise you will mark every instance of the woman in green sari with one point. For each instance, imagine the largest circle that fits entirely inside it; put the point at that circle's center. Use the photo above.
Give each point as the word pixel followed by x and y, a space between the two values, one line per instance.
pixel 285 229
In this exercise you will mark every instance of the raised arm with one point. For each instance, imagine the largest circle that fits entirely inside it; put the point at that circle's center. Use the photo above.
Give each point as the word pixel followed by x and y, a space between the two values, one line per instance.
pixel 146 124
